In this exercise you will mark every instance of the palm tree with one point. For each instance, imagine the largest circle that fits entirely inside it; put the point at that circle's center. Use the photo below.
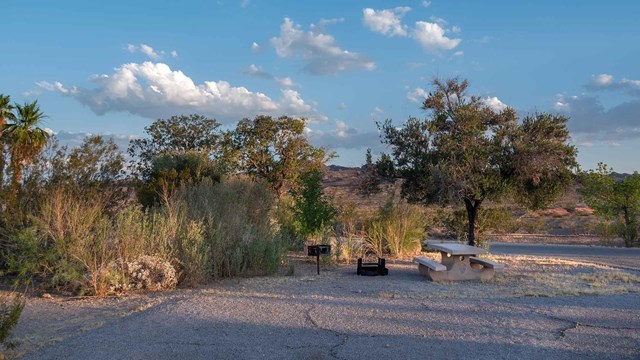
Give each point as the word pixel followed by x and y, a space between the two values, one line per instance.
pixel 6 113
pixel 25 138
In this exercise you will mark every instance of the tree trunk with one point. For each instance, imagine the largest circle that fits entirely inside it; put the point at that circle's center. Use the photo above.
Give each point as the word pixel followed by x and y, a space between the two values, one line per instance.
pixel 472 215
pixel 629 229
pixel 17 174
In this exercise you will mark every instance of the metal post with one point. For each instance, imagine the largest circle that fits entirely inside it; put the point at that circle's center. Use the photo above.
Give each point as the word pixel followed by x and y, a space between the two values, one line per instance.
pixel 318 261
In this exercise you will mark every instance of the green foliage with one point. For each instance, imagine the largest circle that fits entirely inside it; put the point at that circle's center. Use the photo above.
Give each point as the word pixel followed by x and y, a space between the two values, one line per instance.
pixel 25 138
pixel 274 150
pixel 236 216
pixel 312 211
pixel 10 312
pixel 176 135
pixel 465 152
pixel 398 229
pixel 170 171
pixel 617 200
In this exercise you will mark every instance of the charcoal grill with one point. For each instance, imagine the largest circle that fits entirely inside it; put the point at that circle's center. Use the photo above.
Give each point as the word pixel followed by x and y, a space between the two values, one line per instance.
pixel 372 268
pixel 317 250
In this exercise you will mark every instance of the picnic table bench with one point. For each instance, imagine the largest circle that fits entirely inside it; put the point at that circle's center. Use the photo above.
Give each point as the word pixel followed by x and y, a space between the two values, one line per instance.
pixel 459 262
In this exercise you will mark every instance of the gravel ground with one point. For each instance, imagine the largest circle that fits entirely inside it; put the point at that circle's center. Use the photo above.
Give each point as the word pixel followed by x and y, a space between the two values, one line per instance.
pixel 339 315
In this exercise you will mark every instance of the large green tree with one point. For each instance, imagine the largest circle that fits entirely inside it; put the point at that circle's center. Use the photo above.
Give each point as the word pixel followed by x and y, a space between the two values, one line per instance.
pixel 465 152
pixel 25 138
pixel 275 150
pixel 617 199
pixel 177 135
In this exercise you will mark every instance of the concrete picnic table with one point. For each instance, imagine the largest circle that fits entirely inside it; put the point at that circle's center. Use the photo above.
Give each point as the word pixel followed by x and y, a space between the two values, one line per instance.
pixel 459 262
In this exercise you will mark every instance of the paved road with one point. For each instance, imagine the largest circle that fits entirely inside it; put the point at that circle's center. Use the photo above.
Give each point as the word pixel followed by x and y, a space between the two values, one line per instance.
pixel 338 315
pixel 563 250
pixel 256 326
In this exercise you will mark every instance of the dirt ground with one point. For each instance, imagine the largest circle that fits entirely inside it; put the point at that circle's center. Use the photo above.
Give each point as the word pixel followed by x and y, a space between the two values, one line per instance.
pixel 78 327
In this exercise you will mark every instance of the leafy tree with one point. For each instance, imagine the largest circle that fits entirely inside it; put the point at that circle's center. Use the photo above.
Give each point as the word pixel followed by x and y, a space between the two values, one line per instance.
pixel 311 210
pixel 26 139
pixel 615 199
pixel 170 171
pixel 275 150
pixel 96 162
pixel 465 152
pixel 6 113
pixel 176 135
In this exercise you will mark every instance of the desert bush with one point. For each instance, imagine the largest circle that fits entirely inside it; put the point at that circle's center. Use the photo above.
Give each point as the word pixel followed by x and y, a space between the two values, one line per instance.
pixel 398 229
pixel 237 219
pixel 10 311
pixel 151 273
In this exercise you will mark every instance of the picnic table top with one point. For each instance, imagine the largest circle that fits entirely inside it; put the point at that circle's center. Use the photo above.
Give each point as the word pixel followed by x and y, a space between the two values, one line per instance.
pixel 457 249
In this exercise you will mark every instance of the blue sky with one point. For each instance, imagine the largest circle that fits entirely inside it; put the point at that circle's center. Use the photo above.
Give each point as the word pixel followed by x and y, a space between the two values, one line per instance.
pixel 113 67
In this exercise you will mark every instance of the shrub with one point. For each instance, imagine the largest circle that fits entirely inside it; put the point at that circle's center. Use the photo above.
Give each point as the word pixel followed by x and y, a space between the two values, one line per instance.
pixel 151 273
pixel 312 211
pixel 10 311
pixel 398 229
pixel 236 215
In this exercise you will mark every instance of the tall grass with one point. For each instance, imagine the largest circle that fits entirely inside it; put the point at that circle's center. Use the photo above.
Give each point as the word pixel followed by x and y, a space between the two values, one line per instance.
pixel 237 219
pixel 397 230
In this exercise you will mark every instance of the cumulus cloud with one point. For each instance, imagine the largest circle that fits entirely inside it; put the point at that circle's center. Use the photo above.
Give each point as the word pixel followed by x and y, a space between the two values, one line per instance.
pixel 150 52
pixel 417 95
pixel 343 137
pixel 154 90
pixel 255 47
pixel 387 22
pixel 432 37
pixel 284 82
pixel 608 82
pixel 256 71
pixel 591 121
pixel 319 51
pixel 494 103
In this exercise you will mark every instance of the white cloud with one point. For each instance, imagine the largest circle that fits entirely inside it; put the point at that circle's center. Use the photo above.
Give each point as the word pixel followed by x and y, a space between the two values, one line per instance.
pixel 458 53
pixel 341 106
pixel 426 3
pixel 591 121
pixel 440 21
pixel 608 82
pixel 456 29
pixel 387 21
pixel 285 82
pixel 319 51
pixel 255 47
pixel 494 103
pixel 174 54
pixel 431 37
pixel 148 51
pixel 256 71
pixel 417 95
pixel 51 87
pixel 154 90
